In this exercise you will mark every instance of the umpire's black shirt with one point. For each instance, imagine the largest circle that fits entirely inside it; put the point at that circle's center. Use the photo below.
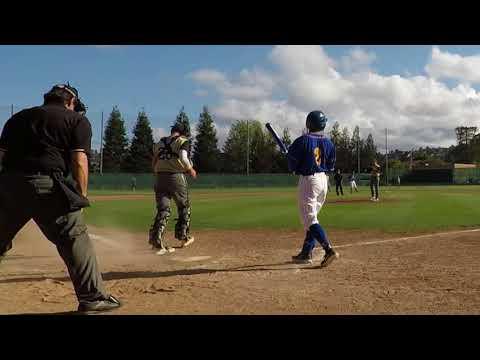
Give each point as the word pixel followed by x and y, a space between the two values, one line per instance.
pixel 40 139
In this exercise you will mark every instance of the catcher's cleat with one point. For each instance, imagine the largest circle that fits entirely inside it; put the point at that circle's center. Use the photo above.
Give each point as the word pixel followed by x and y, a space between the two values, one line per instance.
pixel 329 256
pixel 111 303
pixel 190 239
pixel 164 251
pixel 303 258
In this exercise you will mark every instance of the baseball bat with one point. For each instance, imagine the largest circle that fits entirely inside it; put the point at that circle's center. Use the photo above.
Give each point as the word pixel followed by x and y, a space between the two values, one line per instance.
pixel 277 139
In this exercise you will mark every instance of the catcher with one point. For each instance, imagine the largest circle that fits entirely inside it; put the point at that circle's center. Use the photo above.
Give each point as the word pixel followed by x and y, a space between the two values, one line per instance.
pixel 170 163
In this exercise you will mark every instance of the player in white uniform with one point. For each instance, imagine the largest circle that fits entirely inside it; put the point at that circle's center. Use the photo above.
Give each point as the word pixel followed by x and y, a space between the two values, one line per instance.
pixel 311 156
pixel 353 184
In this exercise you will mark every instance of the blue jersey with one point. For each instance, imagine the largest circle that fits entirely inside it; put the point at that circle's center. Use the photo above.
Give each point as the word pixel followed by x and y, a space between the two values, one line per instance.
pixel 310 154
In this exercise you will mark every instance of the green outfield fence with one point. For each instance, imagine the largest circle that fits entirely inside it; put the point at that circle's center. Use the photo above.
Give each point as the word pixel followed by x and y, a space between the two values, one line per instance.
pixel 466 176
pixel 123 181
pixel 207 181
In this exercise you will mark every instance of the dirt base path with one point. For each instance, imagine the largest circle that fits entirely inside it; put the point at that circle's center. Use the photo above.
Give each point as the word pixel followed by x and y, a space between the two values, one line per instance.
pixel 248 272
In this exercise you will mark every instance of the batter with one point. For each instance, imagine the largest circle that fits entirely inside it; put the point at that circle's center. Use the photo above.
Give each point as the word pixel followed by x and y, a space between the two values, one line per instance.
pixel 311 156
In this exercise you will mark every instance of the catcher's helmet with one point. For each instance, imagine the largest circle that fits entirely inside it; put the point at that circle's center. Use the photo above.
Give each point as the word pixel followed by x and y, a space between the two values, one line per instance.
pixel 180 128
pixel 316 121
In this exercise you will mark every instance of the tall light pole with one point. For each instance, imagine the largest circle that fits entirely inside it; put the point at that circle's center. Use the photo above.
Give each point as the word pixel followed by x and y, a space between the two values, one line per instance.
pixel 358 154
pixel 386 158
pixel 101 148
pixel 248 148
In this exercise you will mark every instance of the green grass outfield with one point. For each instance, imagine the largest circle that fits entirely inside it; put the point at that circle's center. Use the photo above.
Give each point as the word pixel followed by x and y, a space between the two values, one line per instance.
pixel 404 209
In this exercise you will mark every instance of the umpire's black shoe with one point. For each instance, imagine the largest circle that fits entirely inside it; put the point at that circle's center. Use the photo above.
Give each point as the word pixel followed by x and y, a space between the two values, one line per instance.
pixel 303 258
pixel 329 256
pixel 111 303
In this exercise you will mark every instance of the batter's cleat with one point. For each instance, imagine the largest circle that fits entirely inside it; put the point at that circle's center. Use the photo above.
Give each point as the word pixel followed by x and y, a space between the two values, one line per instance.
pixel 329 256
pixel 166 250
pixel 111 303
pixel 190 239
pixel 303 258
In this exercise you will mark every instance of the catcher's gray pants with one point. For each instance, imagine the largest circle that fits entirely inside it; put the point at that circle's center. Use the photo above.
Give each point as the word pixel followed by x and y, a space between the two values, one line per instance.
pixel 23 198
pixel 170 186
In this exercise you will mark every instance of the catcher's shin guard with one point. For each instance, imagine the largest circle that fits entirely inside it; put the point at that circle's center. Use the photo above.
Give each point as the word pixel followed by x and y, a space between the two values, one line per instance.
pixel 157 230
pixel 182 227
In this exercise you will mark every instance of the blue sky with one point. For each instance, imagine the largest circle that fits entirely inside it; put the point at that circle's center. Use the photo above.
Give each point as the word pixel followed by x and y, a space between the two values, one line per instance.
pixel 159 79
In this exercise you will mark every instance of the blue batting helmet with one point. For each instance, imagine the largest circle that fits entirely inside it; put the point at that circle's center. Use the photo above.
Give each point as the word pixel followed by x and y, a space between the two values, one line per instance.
pixel 316 121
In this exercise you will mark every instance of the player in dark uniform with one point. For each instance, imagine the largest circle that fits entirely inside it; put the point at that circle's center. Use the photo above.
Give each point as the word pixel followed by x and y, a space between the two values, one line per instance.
pixel 338 182
pixel 375 180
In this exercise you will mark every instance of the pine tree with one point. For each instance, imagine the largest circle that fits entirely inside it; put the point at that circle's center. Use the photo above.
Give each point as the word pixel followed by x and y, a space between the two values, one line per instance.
pixel 205 150
pixel 139 156
pixel 369 152
pixel 262 149
pixel 116 142
pixel 355 146
pixel 335 133
pixel 182 118
pixel 343 151
pixel 234 149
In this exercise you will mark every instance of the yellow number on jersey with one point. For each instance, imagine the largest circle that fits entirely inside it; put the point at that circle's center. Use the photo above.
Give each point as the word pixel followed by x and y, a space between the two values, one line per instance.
pixel 317 153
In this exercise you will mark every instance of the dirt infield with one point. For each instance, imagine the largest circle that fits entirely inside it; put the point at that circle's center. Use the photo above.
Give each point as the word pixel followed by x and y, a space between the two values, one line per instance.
pixel 248 272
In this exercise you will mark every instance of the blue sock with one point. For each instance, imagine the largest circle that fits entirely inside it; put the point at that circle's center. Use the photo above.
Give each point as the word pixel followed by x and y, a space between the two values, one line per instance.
pixel 308 244
pixel 319 234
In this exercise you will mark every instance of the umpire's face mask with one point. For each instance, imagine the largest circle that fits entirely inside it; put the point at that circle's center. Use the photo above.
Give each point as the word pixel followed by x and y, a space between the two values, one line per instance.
pixel 80 107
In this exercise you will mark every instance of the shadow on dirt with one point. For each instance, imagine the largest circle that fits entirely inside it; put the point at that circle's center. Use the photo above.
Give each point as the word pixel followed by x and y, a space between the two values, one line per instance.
pixel 50 314
pixel 122 275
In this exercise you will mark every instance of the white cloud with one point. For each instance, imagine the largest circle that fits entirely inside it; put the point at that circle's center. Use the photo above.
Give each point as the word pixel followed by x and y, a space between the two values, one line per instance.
pixel 358 60
pixel 418 110
pixel 250 84
pixel 445 65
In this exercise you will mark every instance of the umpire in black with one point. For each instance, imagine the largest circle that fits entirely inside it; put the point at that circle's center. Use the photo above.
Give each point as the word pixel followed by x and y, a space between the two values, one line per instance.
pixel 39 148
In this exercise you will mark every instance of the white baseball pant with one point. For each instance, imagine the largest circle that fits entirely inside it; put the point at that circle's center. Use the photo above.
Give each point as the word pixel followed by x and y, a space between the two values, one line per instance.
pixel 312 192
pixel 353 185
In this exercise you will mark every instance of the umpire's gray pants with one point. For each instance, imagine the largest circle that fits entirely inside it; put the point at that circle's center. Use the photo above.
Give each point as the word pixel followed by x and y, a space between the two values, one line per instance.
pixel 23 198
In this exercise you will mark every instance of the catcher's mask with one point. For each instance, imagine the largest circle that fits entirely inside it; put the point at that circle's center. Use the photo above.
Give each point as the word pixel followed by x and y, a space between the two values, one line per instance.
pixel 80 107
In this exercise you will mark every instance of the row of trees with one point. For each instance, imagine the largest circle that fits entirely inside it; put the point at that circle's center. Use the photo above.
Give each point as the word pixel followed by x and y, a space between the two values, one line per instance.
pixel 248 147
pixel 467 149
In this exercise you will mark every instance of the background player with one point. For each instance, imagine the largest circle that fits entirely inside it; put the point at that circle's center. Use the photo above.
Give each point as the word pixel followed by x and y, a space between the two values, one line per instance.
pixel 375 180
pixel 311 156
pixel 338 182
pixel 353 183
